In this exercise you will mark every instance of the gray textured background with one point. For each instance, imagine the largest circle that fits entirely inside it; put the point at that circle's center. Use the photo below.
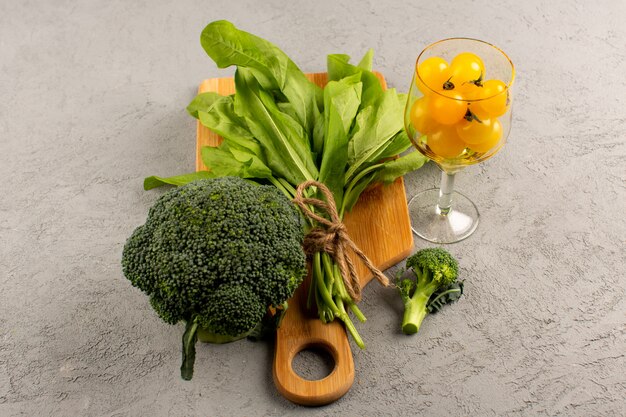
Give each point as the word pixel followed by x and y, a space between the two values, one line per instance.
pixel 92 98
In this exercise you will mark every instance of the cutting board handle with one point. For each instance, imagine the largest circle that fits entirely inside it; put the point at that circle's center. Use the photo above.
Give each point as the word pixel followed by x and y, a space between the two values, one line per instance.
pixel 300 333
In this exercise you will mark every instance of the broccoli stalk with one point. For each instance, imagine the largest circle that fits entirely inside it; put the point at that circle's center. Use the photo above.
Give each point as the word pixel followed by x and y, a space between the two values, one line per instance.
pixel 433 284
pixel 190 337
pixel 415 309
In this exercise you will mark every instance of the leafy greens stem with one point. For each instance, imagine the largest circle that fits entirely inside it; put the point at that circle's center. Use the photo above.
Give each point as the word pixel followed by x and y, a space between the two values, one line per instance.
pixel 321 287
pixel 329 280
pixel 363 173
pixel 310 295
pixel 341 288
pixel 328 269
pixel 288 186
pixel 323 311
pixel 343 316
pixel 355 168
pixel 307 193
pixel 353 182
pixel 357 312
pixel 343 293
pixel 280 186
pixel 335 295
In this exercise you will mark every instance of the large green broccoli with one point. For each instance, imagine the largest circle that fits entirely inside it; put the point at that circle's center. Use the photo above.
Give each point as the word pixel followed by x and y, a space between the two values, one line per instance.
pixel 216 254
pixel 433 283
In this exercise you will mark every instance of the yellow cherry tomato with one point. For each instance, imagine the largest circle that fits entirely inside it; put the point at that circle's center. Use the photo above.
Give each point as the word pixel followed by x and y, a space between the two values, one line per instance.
pixel 447 110
pixel 469 91
pixel 452 90
pixel 445 142
pixel 432 72
pixel 476 132
pixel 476 109
pixel 491 140
pixel 465 68
pixel 495 102
pixel 420 119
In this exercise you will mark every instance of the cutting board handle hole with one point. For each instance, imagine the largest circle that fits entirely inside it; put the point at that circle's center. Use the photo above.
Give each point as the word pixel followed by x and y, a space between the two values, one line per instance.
pixel 314 362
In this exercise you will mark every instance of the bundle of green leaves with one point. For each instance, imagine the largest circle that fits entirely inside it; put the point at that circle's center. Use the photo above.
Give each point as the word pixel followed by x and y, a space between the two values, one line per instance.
pixel 283 129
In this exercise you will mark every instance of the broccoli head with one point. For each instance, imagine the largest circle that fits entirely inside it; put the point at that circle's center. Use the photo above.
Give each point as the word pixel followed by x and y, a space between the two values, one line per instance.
pixel 431 283
pixel 216 253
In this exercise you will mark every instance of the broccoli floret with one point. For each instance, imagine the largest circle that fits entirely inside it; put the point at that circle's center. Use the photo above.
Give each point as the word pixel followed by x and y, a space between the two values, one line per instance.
pixel 216 254
pixel 232 310
pixel 433 282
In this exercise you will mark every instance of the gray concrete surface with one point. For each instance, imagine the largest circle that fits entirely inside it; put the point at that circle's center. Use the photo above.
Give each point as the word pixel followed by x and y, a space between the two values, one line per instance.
pixel 92 99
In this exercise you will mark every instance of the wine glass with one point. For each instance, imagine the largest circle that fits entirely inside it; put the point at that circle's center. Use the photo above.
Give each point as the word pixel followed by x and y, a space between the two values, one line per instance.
pixel 458 113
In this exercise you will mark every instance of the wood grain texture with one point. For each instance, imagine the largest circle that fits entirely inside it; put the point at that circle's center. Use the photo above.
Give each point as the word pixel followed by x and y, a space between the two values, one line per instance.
pixel 379 225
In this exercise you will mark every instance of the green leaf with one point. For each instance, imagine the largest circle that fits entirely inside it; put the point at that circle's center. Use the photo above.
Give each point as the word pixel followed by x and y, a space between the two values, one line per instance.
pixel 203 102
pixel 287 152
pixel 371 134
pixel 288 109
pixel 273 69
pixel 228 46
pixel 367 61
pixel 317 144
pixel 339 67
pixel 256 167
pixel 396 145
pixel 240 154
pixel 400 167
pixel 266 329
pixel 220 117
pixel 373 130
pixel 444 296
pixel 224 161
pixel 341 102
pixel 190 337
pixel 154 181
pixel 234 135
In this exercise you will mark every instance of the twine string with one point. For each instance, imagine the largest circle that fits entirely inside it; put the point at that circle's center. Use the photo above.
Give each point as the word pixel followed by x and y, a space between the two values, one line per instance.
pixel 332 237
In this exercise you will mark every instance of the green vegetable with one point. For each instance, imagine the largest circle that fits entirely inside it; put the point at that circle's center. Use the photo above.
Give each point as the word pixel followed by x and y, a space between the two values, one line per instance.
pixel 374 128
pixel 274 71
pixel 282 139
pixel 216 253
pixel 433 283
pixel 341 102
pixel 154 181
pixel 391 170
pixel 279 128
pixel 339 67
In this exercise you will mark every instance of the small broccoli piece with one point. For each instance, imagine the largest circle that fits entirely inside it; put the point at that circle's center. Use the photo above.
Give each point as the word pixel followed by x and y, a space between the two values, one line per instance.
pixel 232 310
pixel 216 254
pixel 433 283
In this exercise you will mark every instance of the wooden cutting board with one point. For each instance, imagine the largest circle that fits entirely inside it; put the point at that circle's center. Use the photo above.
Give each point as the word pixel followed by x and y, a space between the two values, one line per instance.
pixel 379 224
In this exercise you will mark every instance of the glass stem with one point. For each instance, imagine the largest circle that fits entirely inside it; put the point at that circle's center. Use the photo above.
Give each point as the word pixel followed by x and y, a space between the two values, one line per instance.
pixel 445 193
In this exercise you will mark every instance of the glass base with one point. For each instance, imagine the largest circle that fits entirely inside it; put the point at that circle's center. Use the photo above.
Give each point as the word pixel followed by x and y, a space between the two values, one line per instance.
pixel 430 224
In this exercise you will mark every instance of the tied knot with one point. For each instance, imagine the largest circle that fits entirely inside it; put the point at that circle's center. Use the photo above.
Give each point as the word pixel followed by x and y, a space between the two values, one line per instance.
pixel 337 229
pixel 332 237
